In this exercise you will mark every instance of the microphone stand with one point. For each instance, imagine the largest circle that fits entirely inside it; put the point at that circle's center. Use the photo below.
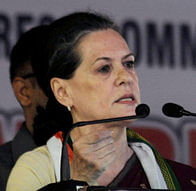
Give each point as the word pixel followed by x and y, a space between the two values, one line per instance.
pixel 188 113
pixel 142 111
pixel 175 110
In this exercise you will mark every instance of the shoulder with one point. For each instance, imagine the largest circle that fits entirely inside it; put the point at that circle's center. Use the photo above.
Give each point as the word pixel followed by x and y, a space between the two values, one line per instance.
pixel 39 152
pixel 6 163
pixel 181 168
pixel 6 152
pixel 185 174
pixel 33 170
pixel 36 160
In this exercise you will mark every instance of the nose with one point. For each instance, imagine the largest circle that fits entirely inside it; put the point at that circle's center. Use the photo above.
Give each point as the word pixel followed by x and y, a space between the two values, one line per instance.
pixel 124 77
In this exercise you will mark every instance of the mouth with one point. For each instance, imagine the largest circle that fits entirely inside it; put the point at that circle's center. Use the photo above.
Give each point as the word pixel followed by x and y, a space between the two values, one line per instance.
pixel 126 99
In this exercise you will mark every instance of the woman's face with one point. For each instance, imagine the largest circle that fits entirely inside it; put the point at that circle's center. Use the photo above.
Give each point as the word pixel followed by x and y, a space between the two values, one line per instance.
pixel 105 84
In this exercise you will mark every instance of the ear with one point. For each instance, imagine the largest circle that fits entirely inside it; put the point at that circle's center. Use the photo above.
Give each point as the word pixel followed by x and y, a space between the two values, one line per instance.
pixel 60 89
pixel 23 91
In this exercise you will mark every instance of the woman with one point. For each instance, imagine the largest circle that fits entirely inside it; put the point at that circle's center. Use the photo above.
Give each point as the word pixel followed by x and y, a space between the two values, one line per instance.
pixel 91 72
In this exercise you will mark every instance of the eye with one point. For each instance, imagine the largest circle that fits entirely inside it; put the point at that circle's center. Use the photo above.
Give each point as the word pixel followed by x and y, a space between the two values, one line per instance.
pixel 104 69
pixel 129 64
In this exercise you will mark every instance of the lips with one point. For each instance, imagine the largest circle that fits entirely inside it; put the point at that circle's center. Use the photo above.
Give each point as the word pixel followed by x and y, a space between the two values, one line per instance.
pixel 128 98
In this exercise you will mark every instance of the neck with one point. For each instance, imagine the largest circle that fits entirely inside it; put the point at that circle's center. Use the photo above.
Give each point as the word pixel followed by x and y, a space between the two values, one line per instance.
pixel 29 121
pixel 123 153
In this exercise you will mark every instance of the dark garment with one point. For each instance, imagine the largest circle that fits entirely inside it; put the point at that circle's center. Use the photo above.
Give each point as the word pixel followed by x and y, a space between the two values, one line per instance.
pixel 185 174
pixel 10 152
pixel 133 175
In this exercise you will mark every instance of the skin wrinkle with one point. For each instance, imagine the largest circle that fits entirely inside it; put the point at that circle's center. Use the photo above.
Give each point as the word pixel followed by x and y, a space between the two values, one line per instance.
pixel 91 83
pixel 102 78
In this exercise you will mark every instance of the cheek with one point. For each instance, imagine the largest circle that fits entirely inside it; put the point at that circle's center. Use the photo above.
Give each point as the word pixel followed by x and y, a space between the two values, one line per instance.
pixel 138 93
pixel 84 92
pixel 136 82
pixel 94 93
pixel 98 94
pixel 135 76
pixel 40 98
pixel 104 93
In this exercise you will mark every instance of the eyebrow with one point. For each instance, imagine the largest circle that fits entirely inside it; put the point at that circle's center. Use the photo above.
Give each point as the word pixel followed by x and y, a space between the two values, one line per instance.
pixel 126 56
pixel 109 59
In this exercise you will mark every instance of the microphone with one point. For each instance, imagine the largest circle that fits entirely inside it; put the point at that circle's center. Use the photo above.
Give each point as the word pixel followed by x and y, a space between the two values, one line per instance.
pixel 174 110
pixel 142 111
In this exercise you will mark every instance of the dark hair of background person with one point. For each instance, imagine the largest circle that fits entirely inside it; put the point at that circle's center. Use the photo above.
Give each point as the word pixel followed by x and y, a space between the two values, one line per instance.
pixel 22 51
pixel 58 57
pixel 53 117
pixel 21 55
pixel 26 60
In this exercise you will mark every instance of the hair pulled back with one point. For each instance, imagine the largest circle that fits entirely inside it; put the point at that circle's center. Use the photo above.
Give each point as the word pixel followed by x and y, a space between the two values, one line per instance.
pixel 58 57
pixel 64 37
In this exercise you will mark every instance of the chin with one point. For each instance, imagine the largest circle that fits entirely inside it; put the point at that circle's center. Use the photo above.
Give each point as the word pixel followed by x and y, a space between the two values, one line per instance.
pixel 124 114
pixel 129 112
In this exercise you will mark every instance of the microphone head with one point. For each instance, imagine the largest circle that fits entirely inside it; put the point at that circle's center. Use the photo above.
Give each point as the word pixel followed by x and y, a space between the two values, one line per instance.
pixel 142 110
pixel 172 110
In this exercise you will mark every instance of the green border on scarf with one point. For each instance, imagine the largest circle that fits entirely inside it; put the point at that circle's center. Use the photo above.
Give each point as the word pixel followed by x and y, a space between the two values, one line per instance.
pixel 168 174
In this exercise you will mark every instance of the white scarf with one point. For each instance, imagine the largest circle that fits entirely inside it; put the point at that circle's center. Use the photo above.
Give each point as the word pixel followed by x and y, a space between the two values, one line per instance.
pixel 142 150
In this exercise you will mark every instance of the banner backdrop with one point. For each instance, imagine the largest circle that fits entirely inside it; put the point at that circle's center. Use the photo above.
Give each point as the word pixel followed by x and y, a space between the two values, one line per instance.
pixel 161 34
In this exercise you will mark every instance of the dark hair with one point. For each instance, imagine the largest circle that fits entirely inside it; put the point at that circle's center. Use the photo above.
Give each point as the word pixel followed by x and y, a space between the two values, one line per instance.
pixel 65 34
pixel 20 57
pixel 55 117
pixel 27 52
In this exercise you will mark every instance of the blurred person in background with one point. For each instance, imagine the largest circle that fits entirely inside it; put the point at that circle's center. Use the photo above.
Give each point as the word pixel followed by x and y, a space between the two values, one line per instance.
pixel 29 95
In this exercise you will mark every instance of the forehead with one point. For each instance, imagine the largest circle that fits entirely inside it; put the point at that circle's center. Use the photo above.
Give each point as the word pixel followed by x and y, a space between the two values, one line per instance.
pixel 101 43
